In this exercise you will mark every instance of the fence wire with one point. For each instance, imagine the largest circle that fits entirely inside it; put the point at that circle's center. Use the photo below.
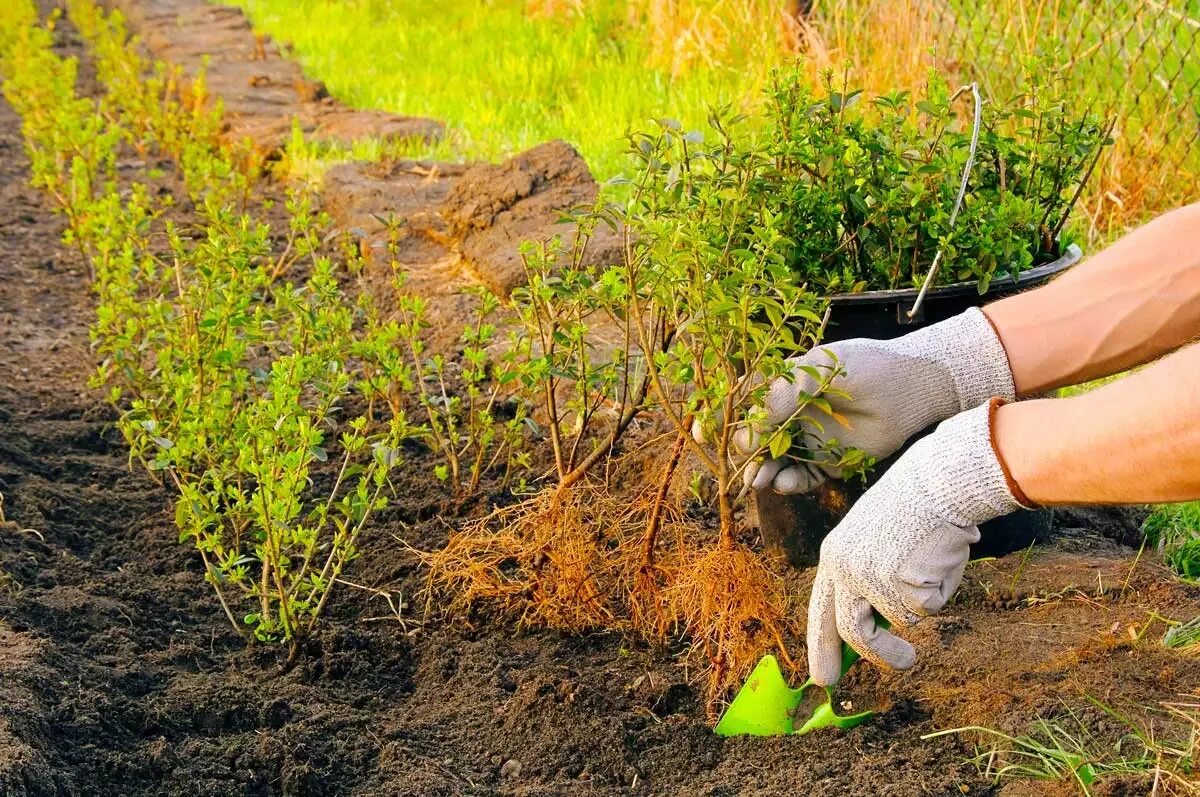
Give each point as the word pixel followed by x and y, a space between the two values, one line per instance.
pixel 1136 61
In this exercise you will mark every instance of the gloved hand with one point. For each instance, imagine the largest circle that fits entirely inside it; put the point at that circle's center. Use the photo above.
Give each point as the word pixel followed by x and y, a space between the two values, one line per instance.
pixel 902 548
pixel 894 389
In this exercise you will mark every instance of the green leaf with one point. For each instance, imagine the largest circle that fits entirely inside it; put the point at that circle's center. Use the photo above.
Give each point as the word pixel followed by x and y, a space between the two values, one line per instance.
pixel 781 441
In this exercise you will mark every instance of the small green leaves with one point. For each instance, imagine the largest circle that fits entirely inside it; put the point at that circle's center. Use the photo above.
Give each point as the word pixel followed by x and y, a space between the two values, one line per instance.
pixel 229 377
pixel 865 191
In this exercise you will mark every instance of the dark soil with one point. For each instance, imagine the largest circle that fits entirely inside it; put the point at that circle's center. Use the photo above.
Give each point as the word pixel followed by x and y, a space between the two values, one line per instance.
pixel 119 675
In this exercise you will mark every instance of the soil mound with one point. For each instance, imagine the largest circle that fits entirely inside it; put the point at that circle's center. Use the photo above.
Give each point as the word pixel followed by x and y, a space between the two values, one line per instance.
pixel 263 93
pixel 492 209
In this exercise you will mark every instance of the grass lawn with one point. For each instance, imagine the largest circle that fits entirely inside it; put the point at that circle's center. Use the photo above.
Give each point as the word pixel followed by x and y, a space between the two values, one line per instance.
pixel 503 80
pixel 1176 528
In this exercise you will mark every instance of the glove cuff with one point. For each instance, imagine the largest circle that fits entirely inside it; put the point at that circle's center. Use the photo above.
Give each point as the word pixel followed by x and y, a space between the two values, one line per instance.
pixel 969 348
pixel 973 485
pixel 1017 493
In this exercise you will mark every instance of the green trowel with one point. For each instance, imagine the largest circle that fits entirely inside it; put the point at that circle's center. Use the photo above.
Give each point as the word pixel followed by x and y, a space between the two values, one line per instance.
pixel 767 706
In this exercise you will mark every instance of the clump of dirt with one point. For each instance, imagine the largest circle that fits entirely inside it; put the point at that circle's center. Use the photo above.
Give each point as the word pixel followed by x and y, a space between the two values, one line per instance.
pixel 369 196
pixel 453 226
pixel 492 209
pixel 391 208
pixel 551 176
pixel 263 94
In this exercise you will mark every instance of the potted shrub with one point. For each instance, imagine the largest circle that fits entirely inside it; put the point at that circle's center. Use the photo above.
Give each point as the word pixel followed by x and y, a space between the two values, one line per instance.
pixel 905 213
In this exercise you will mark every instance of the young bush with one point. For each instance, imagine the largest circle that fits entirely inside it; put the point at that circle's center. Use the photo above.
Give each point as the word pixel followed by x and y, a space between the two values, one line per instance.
pixel 710 265
pixel 472 421
pixel 163 113
pixel 471 424
pixel 546 561
pixel 231 380
pixel 679 334
pixel 865 188
pixel 71 145
pixel 247 382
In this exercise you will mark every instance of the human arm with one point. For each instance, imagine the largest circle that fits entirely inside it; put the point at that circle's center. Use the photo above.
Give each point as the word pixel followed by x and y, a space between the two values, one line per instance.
pixel 1127 305
pixel 1136 440
pixel 902 549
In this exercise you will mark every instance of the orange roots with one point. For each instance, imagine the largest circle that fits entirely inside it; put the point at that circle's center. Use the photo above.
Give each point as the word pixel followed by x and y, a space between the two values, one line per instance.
pixel 575 560
pixel 734 609
pixel 543 562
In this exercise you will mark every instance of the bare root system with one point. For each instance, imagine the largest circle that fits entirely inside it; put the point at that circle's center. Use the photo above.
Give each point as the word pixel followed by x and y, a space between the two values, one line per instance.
pixel 580 559
pixel 734 609
pixel 543 562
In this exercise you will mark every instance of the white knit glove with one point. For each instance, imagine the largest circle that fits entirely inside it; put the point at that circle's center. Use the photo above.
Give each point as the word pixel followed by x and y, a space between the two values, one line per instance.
pixel 903 546
pixel 894 389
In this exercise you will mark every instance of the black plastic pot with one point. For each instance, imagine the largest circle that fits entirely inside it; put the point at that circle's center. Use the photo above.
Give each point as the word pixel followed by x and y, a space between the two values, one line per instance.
pixel 793 526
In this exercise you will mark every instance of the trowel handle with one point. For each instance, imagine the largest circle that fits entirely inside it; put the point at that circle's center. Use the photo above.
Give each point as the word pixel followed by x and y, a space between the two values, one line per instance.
pixel 850 655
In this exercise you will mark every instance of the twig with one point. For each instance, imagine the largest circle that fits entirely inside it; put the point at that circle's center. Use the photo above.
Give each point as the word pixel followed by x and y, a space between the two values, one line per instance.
pixel 962 192
pixel 1085 180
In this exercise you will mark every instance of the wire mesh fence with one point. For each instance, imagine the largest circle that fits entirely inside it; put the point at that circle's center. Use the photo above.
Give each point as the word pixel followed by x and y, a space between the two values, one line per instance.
pixel 1133 62
pixel 1138 60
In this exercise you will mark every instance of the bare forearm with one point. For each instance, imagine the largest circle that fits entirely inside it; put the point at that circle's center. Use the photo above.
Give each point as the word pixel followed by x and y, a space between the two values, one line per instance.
pixel 1136 440
pixel 1129 304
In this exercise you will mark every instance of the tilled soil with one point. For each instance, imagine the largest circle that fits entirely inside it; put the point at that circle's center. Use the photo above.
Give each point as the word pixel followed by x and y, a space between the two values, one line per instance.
pixel 119 675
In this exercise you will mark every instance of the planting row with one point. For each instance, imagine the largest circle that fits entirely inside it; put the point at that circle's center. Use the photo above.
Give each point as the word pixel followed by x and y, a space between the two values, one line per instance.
pixel 275 387
pixel 239 371
pixel 224 370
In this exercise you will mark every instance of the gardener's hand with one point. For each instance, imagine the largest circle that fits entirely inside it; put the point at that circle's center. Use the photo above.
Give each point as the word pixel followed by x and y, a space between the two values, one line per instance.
pixel 902 548
pixel 893 389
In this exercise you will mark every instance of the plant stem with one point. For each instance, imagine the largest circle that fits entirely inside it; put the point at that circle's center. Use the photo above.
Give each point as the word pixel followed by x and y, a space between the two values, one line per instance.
pixel 650 536
pixel 221 596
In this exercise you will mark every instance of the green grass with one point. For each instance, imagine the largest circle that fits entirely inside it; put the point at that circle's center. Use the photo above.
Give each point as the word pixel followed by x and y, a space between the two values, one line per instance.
pixel 1175 529
pixel 1158 747
pixel 503 81
pixel 1184 636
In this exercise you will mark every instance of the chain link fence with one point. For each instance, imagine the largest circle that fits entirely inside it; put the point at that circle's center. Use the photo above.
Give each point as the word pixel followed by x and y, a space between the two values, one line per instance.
pixel 1136 59
pixel 1135 63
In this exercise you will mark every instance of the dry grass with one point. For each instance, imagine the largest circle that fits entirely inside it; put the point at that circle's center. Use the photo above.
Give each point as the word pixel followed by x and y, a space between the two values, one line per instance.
pixel 1155 754
pixel 884 46
pixel 684 34
pixel 1152 165
pixel 555 8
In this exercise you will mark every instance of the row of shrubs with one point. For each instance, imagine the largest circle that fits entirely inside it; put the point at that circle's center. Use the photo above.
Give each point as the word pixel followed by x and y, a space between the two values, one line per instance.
pixel 275 386
pixel 228 361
